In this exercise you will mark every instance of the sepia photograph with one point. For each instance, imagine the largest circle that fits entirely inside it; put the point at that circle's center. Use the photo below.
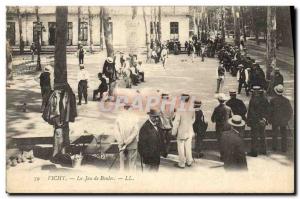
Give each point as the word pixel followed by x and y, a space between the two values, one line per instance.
pixel 157 99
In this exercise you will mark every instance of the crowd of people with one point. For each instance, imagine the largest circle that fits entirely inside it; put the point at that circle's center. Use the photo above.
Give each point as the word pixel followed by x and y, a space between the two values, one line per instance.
pixel 152 140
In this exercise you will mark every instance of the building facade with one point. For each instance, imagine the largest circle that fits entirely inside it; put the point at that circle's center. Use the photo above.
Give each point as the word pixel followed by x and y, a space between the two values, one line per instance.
pixel 84 25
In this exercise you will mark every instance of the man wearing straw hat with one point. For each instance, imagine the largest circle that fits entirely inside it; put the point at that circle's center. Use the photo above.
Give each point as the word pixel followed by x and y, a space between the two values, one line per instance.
pixel 183 131
pixel 199 127
pixel 280 113
pixel 126 132
pixel 220 116
pixel 232 145
pixel 45 83
pixel 149 142
pixel 109 70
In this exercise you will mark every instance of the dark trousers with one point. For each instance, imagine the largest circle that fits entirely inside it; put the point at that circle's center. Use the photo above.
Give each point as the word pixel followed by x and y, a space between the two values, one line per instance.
pixel 82 90
pixel 142 76
pixel 258 130
pixel 198 142
pixel 45 93
pixel 283 132
pixel 81 59
pixel 241 84
pixel 202 56
pixel 99 90
pixel 219 135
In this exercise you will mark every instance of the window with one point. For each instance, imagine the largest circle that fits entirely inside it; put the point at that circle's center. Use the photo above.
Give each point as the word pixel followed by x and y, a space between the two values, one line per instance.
pixel 70 34
pixel 35 33
pixel 83 36
pixel 174 27
pixel 52 32
pixel 174 30
pixel 11 33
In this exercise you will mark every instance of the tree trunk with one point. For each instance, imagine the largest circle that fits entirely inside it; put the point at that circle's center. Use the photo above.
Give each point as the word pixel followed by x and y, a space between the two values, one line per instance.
pixel 60 59
pixel 236 17
pixel 159 24
pixel 155 25
pixel 79 23
pixel 108 33
pixel 223 24
pixel 101 28
pixel 38 68
pixel 254 27
pixel 21 43
pixel 91 29
pixel 271 41
pixel 147 37
pixel 243 23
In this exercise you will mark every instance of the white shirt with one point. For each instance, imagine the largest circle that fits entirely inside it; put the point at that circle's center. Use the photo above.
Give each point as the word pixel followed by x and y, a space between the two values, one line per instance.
pixel 164 52
pixel 83 75
pixel 126 129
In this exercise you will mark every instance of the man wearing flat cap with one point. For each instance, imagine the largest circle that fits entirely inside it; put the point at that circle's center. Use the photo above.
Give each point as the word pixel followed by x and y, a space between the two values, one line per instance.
pixel 257 119
pixel 220 116
pixel 149 142
pixel 232 145
pixel 280 114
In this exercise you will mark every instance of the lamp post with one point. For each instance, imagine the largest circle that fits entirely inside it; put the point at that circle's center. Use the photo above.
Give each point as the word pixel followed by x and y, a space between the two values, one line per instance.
pixel 39 28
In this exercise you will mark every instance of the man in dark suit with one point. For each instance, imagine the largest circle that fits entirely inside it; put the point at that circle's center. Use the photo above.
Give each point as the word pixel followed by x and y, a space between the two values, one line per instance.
pixel 149 144
pixel 257 118
pixel 101 89
pixel 237 106
pixel 276 79
pixel 242 78
pixel 232 145
pixel 109 70
pixel 280 113
pixel 220 116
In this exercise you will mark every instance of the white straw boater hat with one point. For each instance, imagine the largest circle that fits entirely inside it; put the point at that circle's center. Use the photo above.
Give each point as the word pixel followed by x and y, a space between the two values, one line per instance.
pixel 109 60
pixel 279 89
pixel 237 121
pixel 47 68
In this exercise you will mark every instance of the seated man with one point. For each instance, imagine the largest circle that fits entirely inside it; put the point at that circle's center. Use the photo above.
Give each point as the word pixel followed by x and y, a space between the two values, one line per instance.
pixel 140 71
pixel 101 89
pixel 134 75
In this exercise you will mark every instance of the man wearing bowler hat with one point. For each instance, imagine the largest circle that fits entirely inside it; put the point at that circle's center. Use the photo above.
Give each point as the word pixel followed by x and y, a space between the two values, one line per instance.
pixel 280 113
pixel 257 119
pixel 237 106
pixel 149 142
pixel 232 145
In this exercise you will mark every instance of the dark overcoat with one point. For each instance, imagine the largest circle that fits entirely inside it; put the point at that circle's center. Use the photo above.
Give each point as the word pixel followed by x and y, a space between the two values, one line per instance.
pixel 233 148
pixel 149 144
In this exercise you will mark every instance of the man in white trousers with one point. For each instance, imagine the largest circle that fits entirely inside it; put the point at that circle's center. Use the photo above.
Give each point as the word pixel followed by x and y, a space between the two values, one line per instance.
pixel 183 130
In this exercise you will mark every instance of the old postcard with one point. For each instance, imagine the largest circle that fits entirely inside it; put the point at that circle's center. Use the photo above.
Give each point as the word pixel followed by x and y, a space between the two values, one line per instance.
pixel 150 99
